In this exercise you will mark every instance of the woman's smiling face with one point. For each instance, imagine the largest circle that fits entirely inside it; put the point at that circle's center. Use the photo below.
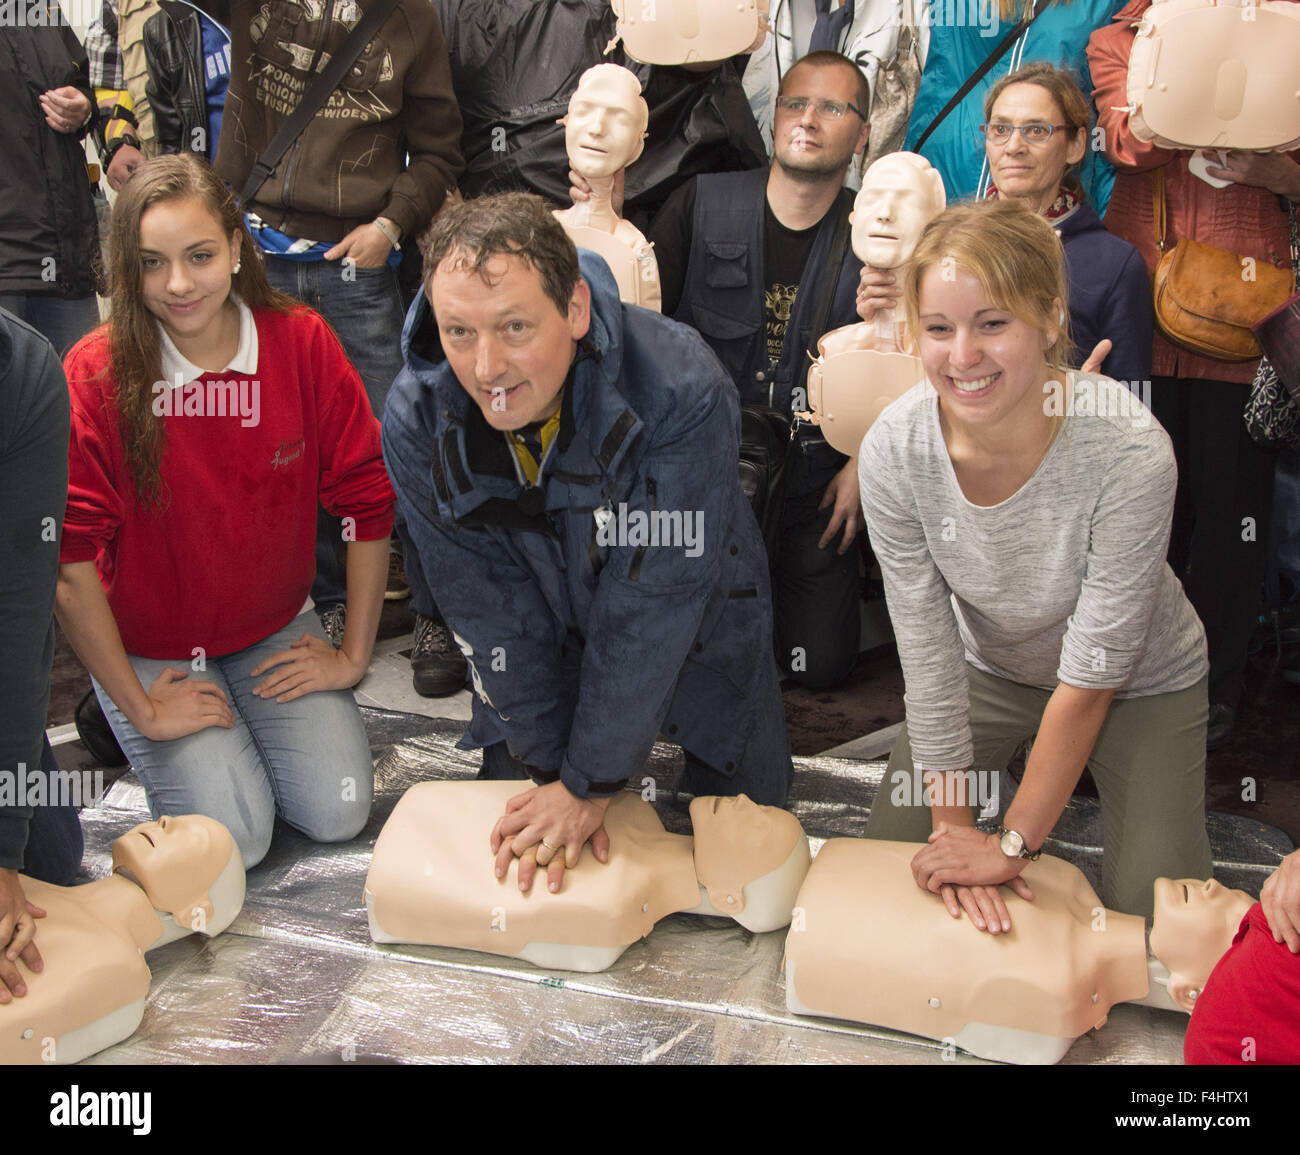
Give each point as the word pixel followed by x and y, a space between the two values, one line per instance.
pixel 986 363
pixel 186 266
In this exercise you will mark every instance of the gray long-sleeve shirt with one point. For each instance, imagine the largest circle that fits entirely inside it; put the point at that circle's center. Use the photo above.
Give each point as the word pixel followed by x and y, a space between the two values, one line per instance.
pixel 1064 581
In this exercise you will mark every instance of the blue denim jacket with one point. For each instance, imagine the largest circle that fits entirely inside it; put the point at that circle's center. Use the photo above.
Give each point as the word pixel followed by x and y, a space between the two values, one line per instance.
pixel 584 642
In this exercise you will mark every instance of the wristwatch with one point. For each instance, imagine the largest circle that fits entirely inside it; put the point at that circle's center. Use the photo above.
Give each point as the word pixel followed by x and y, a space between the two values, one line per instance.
pixel 1013 845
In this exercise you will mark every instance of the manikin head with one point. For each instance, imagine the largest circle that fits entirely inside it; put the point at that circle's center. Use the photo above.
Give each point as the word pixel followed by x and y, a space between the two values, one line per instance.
pixel 178 863
pixel 605 128
pixel 737 843
pixel 1193 928
pixel 901 194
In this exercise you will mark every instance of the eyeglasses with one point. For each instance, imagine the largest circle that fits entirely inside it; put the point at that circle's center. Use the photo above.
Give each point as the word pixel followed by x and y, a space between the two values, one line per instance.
pixel 1035 133
pixel 823 109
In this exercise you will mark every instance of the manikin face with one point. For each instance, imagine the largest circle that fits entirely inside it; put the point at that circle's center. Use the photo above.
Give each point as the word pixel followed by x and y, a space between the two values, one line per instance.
pixel 186 266
pixel 1031 172
pixel 892 208
pixel 987 365
pixel 750 833
pixel 807 145
pixel 1193 927
pixel 603 128
pixel 176 861
pixel 507 343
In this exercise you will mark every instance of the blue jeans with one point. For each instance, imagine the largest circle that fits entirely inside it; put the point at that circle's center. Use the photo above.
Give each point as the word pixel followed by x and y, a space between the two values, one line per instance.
pixel 366 312
pixel 306 760
pixel 61 322
pixel 54 842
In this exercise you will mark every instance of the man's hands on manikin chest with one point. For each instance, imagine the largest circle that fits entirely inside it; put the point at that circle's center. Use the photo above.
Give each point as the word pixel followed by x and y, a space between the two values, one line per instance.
pixel 549 826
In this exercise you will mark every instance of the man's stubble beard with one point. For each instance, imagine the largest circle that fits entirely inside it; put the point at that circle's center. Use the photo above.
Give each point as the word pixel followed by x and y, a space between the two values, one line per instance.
pixel 825 172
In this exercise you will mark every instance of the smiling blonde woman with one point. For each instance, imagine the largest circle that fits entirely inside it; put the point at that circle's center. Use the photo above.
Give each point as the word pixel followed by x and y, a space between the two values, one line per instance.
pixel 1022 545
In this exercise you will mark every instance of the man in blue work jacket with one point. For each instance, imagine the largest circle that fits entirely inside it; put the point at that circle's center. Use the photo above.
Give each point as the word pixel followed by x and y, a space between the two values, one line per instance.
pixel 567 466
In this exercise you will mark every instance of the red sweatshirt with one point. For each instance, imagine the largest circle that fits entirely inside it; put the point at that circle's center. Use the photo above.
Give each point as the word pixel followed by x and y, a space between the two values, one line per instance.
pixel 1249 1011
pixel 230 558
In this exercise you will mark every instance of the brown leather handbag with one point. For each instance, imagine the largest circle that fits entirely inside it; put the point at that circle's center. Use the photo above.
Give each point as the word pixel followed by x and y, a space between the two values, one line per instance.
pixel 1208 299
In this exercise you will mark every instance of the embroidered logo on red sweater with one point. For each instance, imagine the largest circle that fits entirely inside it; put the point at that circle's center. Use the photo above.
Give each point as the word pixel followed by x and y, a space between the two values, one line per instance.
pixel 287 452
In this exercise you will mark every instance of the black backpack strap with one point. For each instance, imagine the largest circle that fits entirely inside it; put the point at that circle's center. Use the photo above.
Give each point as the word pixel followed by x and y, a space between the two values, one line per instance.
pixel 989 61
pixel 315 96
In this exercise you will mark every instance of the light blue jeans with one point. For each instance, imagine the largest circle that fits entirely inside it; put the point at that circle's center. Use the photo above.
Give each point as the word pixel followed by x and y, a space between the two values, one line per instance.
pixel 306 760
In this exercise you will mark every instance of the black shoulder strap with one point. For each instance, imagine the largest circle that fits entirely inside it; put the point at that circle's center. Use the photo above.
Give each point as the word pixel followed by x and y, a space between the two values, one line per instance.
pixel 993 57
pixel 831 270
pixel 315 96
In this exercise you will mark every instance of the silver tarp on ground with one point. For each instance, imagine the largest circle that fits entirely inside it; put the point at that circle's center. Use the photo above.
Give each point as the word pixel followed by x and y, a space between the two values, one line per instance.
pixel 296 976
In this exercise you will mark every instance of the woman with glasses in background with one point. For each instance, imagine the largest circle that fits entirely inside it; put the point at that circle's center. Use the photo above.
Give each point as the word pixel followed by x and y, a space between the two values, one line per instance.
pixel 1035 136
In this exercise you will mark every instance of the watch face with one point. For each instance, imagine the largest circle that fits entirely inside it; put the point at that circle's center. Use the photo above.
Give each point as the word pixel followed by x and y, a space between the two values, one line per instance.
pixel 1012 844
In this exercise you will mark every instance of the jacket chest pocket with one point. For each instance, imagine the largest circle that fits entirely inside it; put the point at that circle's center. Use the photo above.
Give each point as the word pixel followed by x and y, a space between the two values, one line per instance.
pixel 277 37
pixel 726 265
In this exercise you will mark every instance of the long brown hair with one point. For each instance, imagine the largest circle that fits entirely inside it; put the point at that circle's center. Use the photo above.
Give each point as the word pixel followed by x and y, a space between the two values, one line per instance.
pixel 135 348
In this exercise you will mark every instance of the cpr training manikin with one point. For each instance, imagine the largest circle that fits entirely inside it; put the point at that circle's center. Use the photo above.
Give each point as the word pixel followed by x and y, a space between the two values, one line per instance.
pixel 689 31
pixel 861 368
pixel 1020 997
pixel 171 878
pixel 604 132
pixel 432 881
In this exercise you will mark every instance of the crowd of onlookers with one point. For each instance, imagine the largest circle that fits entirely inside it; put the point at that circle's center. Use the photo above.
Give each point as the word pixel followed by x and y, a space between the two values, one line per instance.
pixel 1101 585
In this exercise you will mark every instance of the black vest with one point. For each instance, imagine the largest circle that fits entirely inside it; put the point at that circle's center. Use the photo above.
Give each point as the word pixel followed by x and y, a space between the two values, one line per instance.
pixel 722 298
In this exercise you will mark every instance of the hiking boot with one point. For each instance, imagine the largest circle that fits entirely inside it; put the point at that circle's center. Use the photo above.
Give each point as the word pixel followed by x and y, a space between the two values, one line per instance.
pixel 438 668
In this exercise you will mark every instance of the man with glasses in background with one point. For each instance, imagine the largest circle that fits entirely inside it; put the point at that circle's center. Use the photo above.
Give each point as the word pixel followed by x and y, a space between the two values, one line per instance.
pixel 744 258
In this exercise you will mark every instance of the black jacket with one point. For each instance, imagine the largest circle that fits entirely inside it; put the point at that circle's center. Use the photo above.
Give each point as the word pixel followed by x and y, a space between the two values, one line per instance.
pixel 699 121
pixel 49 233
pixel 173 48
pixel 33 493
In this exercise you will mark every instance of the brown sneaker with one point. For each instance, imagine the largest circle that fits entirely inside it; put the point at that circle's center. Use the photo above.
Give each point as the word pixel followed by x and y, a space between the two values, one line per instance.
pixel 396 590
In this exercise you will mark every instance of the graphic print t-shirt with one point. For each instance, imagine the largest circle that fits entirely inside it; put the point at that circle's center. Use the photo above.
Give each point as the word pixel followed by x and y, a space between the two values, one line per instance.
pixel 785 253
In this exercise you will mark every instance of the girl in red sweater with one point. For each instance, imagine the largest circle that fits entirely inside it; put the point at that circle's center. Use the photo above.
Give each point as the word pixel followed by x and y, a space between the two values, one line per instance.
pixel 209 419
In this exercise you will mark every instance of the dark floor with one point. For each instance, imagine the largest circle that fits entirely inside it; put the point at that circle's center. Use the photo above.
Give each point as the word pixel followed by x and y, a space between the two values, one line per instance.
pixel 1256 775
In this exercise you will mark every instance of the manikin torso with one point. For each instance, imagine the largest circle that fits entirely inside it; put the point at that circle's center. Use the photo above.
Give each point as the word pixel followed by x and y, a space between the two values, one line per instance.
pixel 91 991
pixel 689 31
pixel 1021 997
pixel 604 133
pixel 431 880
pixel 1216 76
pixel 862 368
